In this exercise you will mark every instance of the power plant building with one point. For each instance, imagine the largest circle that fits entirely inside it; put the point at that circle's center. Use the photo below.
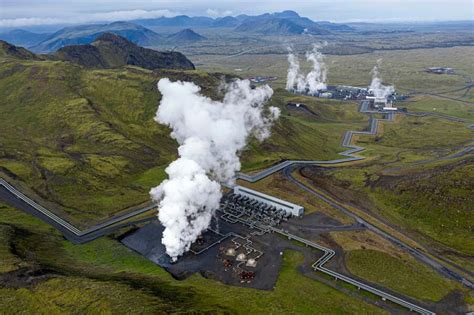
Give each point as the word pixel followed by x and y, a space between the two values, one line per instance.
pixel 291 208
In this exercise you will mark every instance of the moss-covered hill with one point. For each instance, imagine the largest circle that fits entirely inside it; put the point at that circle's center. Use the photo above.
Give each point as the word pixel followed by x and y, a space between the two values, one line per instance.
pixel 84 142
pixel 10 51
pixel 113 51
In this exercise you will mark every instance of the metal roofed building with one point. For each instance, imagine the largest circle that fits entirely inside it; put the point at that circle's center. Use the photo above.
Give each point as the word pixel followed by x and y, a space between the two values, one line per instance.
pixel 289 207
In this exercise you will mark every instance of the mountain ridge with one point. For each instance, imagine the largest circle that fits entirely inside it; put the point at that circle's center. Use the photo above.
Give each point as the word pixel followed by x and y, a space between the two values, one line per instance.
pixel 85 34
pixel 111 51
pixel 186 35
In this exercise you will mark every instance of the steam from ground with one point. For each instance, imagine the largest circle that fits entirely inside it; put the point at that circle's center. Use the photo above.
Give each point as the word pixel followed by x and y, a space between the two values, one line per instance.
pixel 315 80
pixel 210 134
pixel 376 87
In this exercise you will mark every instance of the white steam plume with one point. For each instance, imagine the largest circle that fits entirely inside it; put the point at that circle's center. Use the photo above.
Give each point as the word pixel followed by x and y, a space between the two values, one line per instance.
pixel 210 134
pixel 315 80
pixel 294 80
pixel 376 87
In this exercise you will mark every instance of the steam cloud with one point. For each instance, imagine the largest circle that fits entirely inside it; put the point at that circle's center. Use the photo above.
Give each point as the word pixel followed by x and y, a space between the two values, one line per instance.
pixel 210 134
pixel 315 80
pixel 376 87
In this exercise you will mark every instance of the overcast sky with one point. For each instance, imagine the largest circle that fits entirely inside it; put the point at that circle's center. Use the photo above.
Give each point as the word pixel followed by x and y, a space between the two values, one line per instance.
pixel 17 13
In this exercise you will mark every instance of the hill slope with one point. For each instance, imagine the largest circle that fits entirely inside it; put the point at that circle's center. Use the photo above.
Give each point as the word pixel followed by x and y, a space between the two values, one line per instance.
pixel 177 21
pixel 281 23
pixel 84 139
pixel 186 35
pixel 85 34
pixel 271 27
pixel 23 38
pixel 112 51
pixel 8 50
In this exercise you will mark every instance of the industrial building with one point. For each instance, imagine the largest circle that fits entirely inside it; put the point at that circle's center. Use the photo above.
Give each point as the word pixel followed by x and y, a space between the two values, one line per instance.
pixel 288 207
pixel 440 70
pixel 381 103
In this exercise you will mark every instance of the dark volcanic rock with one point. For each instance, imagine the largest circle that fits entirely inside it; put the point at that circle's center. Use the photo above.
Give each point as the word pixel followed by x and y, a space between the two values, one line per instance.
pixel 11 51
pixel 112 51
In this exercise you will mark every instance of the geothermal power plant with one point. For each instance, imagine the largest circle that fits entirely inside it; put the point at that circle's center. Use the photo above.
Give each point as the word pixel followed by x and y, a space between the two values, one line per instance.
pixel 209 224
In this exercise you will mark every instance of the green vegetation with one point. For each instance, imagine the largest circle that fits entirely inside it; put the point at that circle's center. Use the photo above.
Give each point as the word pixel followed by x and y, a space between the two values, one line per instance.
pixel 304 136
pixel 441 106
pixel 407 183
pixel 374 258
pixel 278 186
pixel 104 276
pixel 414 192
pixel 114 51
pixel 84 143
pixel 403 68
pixel 84 140
pixel 406 276
pixel 72 295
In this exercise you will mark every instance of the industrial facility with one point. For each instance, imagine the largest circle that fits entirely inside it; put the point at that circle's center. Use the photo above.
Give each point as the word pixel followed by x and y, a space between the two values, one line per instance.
pixel 345 92
pixel 440 70
pixel 267 202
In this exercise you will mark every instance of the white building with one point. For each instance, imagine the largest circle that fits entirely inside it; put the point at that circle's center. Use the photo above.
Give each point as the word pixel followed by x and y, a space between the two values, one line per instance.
pixel 377 101
pixel 295 210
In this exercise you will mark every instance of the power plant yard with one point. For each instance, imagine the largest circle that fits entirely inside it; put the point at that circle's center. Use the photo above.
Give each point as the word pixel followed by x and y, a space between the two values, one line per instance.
pixel 254 164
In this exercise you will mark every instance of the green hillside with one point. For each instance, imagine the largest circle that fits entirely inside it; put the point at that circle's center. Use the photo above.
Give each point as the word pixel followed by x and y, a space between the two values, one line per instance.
pixel 83 142
pixel 112 51
pixel 105 277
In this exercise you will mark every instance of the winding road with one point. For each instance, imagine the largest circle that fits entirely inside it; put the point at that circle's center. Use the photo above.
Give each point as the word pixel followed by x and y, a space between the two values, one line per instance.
pixel 75 235
pixel 72 233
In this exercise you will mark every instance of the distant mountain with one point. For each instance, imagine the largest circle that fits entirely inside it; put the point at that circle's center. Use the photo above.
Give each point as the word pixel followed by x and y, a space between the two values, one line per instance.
pixel 278 23
pixel 85 34
pixel 177 21
pixel 271 27
pixel 335 26
pixel 283 23
pixel 186 35
pixel 227 21
pixel 23 38
pixel 8 50
pixel 112 51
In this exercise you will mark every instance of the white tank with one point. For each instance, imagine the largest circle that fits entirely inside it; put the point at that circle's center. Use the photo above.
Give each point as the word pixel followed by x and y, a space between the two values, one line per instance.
pixel 241 257
pixel 230 252
pixel 251 263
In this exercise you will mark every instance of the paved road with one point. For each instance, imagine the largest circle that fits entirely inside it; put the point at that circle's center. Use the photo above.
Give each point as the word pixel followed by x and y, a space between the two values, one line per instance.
pixel 346 143
pixel 413 251
pixel 21 201
pixel 17 199
pixel 329 253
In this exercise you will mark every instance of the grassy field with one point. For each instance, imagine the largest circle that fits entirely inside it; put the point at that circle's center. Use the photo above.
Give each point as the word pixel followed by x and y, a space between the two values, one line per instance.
pixel 83 140
pixel 371 257
pixel 408 276
pixel 84 143
pixel 277 185
pixel 104 276
pixel 441 106
pixel 414 193
pixel 403 68
pixel 299 135
pixel 407 184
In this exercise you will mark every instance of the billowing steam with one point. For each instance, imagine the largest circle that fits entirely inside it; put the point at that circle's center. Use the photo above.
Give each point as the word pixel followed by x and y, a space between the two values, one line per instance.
pixel 376 87
pixel 210 134
pixel 314 81
pixel 294 80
